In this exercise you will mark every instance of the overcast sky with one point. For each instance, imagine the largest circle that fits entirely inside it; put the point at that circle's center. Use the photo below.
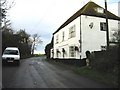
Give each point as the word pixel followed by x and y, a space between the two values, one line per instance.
pixel 45 16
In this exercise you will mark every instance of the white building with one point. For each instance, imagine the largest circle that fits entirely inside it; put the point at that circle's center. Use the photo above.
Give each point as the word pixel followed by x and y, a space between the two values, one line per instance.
pixel 84 31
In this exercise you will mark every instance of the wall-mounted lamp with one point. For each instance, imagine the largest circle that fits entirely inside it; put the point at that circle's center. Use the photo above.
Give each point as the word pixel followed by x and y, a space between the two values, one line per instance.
pixel 91 25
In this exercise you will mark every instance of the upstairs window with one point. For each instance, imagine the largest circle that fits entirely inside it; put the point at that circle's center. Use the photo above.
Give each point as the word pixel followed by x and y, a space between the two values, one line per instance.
pixel 103 26
pixel 57 38
pixel 72 31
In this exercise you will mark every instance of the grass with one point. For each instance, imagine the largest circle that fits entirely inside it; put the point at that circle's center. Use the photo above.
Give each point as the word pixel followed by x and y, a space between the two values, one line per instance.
pixel 109 79
pixel 38 55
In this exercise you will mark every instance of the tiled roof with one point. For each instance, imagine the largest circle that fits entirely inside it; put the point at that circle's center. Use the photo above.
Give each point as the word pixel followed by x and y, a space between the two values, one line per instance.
pixel 90 9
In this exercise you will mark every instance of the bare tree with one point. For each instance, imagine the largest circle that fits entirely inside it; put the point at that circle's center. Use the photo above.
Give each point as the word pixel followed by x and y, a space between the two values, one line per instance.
pixel 35 41
pixel 5 6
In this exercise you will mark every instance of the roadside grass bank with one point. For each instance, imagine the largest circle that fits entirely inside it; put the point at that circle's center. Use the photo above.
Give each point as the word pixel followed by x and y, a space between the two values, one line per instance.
pixel 109 79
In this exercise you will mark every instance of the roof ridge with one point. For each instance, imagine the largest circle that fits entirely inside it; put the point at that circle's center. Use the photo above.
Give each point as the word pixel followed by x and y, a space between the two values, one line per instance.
pixel 84 8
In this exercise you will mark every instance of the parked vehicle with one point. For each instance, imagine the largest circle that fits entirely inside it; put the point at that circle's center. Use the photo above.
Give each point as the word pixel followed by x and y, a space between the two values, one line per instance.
pixel 11 55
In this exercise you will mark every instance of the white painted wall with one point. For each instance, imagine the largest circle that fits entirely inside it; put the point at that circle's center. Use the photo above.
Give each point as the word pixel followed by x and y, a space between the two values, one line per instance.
pixel 92 39
pixel 68 41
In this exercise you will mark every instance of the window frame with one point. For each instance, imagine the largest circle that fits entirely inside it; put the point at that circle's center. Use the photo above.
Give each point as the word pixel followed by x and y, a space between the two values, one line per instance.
pixel 72 31
pixel 103 26
pixel 72 52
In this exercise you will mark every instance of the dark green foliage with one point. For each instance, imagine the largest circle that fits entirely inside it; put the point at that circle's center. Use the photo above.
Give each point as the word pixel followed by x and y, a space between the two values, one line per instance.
pixel 48 48
pixel 105 61
pixel 19 39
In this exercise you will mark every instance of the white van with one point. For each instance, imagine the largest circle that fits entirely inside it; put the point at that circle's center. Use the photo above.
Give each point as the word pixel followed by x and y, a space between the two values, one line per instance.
pixel 11 55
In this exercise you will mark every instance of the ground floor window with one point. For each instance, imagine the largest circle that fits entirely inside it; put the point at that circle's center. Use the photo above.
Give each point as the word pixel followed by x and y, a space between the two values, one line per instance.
pixel 72 51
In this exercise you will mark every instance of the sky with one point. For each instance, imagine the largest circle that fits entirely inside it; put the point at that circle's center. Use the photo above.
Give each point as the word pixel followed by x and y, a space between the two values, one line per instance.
pixel 44 17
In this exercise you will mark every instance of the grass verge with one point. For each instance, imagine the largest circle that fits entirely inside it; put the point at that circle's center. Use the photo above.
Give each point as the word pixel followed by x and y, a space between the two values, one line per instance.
pixel 109 79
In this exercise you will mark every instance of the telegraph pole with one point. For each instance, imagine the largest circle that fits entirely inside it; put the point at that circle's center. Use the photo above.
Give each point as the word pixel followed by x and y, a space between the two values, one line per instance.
pixel 107 29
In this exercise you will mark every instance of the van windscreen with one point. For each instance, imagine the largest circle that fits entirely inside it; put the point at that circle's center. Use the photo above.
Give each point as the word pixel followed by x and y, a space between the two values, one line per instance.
pixel 11 52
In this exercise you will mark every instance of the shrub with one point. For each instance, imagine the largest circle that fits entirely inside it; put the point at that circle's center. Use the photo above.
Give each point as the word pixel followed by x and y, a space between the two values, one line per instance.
pixel 105 60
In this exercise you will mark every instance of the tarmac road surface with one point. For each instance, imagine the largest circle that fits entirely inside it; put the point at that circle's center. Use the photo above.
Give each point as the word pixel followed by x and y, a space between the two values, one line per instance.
pixel 35 72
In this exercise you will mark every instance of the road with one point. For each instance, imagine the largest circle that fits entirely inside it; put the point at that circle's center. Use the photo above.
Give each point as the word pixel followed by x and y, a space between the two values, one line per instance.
pixel 35 72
